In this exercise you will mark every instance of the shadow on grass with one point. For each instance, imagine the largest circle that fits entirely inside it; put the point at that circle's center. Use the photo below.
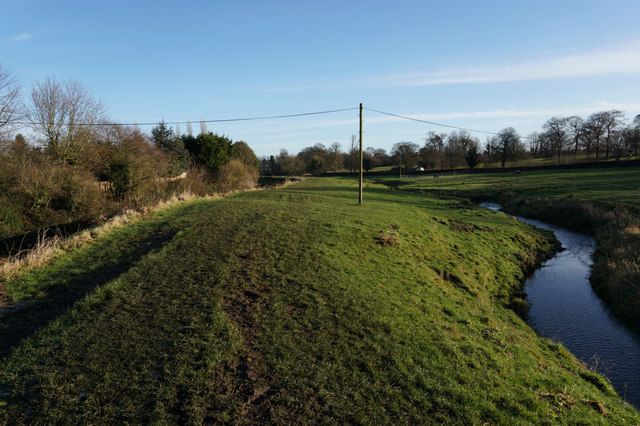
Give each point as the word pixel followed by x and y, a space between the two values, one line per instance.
pixel 20 321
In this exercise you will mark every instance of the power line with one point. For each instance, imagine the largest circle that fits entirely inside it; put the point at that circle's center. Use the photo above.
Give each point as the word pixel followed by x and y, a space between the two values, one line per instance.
pixel 224 120
pixel 431 122
pixel 273 117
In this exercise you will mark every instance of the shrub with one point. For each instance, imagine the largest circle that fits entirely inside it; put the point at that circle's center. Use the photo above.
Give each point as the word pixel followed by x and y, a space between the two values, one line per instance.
pixel 79 194
pixel 235 175
pixel 209 150
pixel 10 222
pixel 197 181
pixel 134 171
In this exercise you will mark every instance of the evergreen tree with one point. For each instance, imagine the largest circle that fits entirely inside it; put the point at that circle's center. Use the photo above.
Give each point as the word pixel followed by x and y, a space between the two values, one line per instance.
pixel 172 146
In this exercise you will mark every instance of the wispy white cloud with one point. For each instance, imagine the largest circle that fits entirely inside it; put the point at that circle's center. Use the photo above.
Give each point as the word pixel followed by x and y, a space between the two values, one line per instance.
pixel 615 60
pixel 29 35
pixel 21 37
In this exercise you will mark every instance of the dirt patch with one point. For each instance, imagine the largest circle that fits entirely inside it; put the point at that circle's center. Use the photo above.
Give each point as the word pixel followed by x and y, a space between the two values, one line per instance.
pixel 252 384
pixel 387 238
pixel 597 406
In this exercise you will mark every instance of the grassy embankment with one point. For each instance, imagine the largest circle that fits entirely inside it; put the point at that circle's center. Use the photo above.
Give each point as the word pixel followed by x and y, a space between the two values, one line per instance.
pixel 604 203
pixel 296 305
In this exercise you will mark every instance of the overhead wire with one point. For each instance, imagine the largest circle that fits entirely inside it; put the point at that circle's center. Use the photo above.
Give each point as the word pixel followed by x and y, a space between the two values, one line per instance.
pixel 430 122
pixel 222 120
pixel 273 117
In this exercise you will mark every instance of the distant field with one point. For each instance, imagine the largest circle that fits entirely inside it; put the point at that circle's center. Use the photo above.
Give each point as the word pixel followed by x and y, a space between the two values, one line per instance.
pixel 295 305
pixel 582 158
pixel 594 185
pixel 529 162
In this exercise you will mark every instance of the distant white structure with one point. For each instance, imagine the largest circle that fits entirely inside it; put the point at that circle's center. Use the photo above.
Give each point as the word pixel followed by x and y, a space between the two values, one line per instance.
pixel 419 169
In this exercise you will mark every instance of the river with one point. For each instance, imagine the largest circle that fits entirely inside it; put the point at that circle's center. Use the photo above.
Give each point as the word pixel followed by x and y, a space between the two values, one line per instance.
pixel 565 309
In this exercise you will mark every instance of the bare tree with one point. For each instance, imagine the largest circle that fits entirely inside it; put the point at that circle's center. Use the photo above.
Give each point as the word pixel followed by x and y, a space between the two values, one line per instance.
pixel 352 158
pixel 612 121
pixel 406 152
pixel 11 109
pixel 621 141
pixel 593 132
pixel 635 128
pixel 432 153
pixel 455 148
pixel 534 139
pixel 600 125
pixel 575 126
pixel 66 115
pixel 555 132
pixel 509 145
pixel 491 149
pixel 334 157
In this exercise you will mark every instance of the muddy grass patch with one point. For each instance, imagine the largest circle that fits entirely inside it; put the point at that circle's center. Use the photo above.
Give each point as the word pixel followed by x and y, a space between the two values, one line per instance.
pixel 387 238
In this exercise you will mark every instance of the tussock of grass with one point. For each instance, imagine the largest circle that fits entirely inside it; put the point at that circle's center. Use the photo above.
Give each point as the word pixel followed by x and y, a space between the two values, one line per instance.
pixel 387 238
pixel 281 307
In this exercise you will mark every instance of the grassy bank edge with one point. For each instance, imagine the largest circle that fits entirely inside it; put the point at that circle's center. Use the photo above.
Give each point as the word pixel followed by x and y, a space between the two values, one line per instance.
pixel 615 274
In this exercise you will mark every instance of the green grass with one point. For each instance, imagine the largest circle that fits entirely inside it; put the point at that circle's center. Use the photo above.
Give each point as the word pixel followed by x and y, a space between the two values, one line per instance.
pixel 284 306
pixel 565 159
pixel 599 186
pixel 602 202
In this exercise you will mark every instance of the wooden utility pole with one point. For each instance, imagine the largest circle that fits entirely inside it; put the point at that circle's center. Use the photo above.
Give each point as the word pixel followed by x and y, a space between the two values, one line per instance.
pixel 360 186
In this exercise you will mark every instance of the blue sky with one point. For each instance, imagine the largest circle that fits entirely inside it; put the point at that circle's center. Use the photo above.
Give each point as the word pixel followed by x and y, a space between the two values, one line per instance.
pixel 481 65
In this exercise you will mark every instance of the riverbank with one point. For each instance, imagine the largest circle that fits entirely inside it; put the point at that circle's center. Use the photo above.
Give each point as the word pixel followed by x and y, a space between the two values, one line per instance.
pixel 563 307
pixel 601 203
pixel 299 305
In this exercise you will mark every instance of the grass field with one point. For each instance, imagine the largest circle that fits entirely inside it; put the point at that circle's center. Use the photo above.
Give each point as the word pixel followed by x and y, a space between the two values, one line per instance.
pixel 599 186
pixel 602 202
pixel 565 159
pixel 295 305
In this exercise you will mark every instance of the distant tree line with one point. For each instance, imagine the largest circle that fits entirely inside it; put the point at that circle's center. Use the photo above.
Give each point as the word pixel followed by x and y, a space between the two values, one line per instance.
pixel 601 136
pixel 606 134
pixel 319 159
pixel 73 164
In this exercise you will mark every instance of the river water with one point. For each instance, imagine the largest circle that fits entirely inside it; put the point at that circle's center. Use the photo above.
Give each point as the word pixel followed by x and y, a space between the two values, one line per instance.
pixel 565 309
